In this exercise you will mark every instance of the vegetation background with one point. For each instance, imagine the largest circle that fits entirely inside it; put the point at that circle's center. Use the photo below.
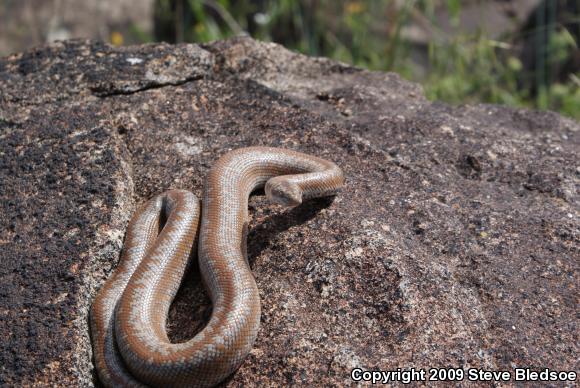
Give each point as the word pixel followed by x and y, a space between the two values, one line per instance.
pixel 515 52
pixel 533 63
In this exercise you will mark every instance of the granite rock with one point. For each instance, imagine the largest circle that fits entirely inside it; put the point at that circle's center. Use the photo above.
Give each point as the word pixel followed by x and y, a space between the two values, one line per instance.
pixel 455 242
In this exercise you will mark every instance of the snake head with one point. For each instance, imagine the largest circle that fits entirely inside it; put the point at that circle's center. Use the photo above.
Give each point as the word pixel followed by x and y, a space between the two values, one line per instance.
pixel 282 190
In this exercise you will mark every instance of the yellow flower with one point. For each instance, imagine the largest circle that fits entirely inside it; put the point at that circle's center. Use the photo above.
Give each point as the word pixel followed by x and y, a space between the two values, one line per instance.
pixel 199 28
pixel 354 7
pixel 116 38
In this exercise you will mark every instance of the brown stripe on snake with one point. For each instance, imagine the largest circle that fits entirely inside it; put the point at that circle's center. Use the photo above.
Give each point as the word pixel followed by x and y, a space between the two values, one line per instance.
pixel 128 317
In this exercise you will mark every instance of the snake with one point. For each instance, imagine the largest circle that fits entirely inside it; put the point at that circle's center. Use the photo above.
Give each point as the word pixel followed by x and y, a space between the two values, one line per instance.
pixel 128 317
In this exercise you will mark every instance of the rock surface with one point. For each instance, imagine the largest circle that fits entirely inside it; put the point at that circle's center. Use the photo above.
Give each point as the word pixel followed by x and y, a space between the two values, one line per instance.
pixel 455 243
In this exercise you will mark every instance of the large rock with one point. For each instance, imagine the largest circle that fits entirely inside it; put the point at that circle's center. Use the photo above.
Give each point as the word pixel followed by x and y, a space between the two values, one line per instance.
pixel 455 242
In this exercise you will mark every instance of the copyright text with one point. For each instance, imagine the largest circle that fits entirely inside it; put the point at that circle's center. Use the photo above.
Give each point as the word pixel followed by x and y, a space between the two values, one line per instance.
pixel 407 376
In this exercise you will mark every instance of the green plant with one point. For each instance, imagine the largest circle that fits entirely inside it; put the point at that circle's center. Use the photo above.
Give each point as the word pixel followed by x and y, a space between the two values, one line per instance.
pixel 461 68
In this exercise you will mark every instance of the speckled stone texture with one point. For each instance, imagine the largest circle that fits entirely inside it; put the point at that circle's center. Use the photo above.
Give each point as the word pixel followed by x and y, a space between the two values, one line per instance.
pixel 455 242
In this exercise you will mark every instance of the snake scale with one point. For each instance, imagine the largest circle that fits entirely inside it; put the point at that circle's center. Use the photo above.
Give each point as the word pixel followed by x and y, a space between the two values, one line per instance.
pixel 128 316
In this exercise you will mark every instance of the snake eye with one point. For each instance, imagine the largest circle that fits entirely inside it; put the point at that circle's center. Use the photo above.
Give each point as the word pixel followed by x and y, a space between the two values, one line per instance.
pixel 283 191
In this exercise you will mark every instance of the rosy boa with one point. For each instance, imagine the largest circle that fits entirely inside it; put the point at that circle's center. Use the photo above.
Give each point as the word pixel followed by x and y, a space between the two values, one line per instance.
pixel 128 317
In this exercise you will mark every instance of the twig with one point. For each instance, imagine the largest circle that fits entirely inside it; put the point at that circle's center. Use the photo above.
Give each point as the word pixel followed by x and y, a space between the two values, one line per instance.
pixel 226 17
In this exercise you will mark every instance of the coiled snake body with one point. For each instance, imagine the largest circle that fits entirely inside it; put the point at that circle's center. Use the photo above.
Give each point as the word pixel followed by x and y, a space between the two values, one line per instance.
pixel 128 316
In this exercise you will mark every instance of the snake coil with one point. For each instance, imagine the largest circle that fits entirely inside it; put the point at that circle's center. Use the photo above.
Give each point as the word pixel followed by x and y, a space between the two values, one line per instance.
pixel 128 316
